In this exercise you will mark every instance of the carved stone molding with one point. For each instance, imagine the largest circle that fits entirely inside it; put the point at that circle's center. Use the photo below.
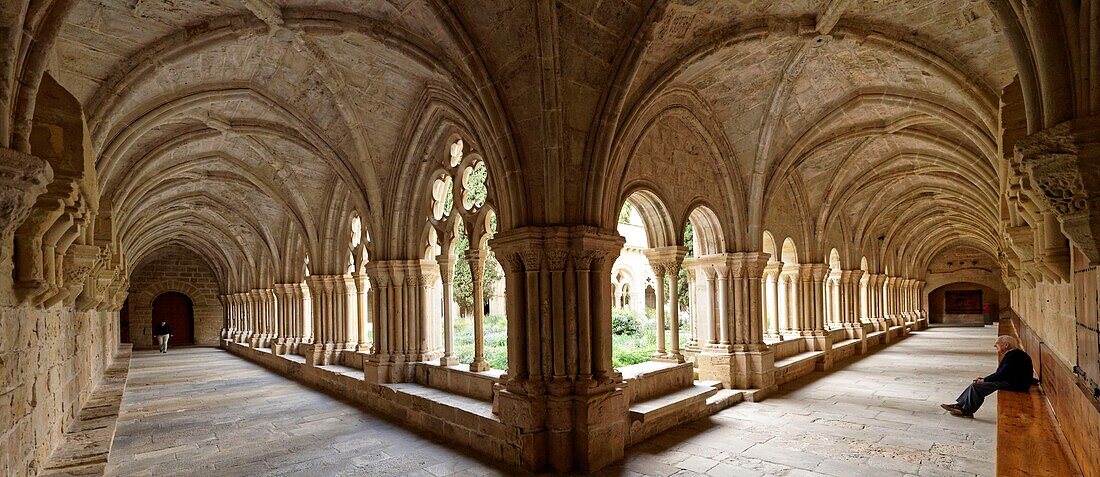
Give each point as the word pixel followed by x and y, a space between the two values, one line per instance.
pixel 1063 164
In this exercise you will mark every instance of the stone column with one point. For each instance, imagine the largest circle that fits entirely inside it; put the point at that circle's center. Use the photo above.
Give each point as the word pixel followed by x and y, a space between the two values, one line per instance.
pixel 673 271
pixel 270 317
pixel 721 274
pixel 693 306
pixel 305 316
pixel 446 274
pixel 922 313
pixel 476 259
pixel 713 336
pixel 892 300
pixel 282 307
pixel 563 397
pixel 771 298
pixel 428 346
pixel 227 319
pixel 362 288
pixel 793 315
pixel 820 340
pixel 659 274
pixel 350 339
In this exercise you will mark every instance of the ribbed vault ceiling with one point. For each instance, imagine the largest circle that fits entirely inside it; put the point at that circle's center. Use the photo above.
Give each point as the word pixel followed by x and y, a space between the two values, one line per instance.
pixel 251 131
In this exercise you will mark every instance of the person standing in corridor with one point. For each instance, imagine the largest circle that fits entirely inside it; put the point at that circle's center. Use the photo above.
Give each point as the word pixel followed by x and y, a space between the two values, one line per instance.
pixel 162 332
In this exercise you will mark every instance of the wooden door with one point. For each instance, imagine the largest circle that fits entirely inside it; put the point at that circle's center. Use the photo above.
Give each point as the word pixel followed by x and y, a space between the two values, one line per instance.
pixel 175 308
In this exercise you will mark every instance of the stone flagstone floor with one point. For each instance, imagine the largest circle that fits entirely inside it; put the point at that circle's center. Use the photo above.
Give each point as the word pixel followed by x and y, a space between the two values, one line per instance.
pixel 201 411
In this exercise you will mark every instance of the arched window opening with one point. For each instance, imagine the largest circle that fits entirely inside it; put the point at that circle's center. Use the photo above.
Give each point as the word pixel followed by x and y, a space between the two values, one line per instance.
pixel 471 315
pixel 649 256
pixel 703 237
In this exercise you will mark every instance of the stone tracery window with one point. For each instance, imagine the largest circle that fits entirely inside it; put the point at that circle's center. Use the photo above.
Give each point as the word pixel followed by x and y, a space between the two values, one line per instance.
pixel 461 220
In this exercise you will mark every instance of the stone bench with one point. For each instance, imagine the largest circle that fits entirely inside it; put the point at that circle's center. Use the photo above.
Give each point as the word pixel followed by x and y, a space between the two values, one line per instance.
pixel 86 444
pixel 1029 439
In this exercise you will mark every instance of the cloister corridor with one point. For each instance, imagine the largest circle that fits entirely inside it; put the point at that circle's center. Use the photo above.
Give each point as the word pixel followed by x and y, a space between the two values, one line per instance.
pixel 202 411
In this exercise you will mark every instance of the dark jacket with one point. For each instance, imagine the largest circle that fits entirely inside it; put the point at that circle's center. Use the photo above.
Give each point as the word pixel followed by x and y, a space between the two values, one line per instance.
pixel 167 330
pixel 1015 369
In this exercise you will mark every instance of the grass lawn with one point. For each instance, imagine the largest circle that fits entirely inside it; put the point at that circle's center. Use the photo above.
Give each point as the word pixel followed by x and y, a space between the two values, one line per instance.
pixel 626 348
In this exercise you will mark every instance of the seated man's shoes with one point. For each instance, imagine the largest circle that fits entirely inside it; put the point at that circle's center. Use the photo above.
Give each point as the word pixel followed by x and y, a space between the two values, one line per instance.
pixel 955 410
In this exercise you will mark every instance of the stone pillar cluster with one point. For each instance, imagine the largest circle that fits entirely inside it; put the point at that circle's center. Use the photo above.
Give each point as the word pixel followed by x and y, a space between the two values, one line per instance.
pixel 876 302
pixel 318 319
pixel 561 390
pixel 772 300
pixel 402 305
pixel 735 353
pixel 289 318
pixel 330 318
pixel 666 263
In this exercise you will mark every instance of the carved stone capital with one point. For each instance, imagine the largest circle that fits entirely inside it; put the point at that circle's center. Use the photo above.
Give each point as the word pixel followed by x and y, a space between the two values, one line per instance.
pixel 23 178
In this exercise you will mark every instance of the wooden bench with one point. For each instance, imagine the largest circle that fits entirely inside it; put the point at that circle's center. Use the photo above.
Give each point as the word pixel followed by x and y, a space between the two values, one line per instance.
pixel 1029 439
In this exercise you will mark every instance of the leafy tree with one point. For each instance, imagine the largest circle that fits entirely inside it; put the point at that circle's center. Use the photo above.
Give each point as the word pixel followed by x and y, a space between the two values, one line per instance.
pixel 463 278
pixel 624 213
pixel 689 243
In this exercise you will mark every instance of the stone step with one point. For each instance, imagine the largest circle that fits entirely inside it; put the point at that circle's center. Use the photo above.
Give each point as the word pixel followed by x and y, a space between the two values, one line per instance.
pixel 658 414
pixel 724 398
pixel 670 402
pixel 713 384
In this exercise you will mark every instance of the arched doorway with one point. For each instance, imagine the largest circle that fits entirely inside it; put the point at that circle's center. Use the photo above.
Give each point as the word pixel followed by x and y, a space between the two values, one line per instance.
pixel 175 309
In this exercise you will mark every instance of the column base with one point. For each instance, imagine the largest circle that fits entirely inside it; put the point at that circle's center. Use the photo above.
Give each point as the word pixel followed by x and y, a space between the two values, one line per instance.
pixel 567 433
pixel 821 341
pixel 858 331
pixel 383 369
pixel 669 358
pixel 740 370
pixel 479 366
pixel 320 354
pixel 448 361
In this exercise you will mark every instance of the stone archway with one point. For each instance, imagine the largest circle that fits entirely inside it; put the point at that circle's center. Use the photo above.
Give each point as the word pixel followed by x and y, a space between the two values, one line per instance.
pixel 177 310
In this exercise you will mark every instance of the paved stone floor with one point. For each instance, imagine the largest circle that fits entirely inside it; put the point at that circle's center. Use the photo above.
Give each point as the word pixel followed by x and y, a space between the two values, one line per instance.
pixel 201 411
pixel 876 416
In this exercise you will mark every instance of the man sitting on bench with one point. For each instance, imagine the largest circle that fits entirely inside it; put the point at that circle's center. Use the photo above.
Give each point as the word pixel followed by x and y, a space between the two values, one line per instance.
pixel 1013 374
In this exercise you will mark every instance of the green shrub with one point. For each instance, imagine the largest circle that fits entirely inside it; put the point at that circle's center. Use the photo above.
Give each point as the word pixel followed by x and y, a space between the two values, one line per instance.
pixel 625 321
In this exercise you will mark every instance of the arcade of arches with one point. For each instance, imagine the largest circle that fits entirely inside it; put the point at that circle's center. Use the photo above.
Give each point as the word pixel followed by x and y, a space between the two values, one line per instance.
pixel 345 190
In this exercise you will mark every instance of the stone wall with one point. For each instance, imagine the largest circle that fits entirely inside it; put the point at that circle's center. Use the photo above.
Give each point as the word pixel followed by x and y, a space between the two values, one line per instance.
pixel 1048 308
pixel 180 270
pixel 51 361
